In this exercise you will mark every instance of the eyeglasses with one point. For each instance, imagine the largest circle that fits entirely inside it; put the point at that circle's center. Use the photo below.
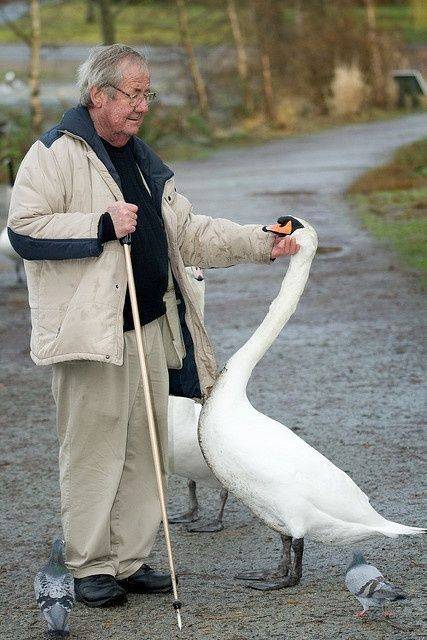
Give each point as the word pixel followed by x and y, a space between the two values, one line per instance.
pixel 138 98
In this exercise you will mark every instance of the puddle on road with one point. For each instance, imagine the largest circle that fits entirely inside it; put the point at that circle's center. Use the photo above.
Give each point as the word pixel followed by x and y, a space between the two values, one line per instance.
pixel 329 250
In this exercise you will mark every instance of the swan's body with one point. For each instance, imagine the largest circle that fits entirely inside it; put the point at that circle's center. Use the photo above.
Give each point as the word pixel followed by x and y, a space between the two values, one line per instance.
pixel 286 483
pixel 5 247
pixel 185 458
pixel 9 252
pixel 283 480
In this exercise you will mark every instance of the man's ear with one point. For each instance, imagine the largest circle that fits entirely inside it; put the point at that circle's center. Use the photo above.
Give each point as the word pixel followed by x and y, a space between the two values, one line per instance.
pixel 97 96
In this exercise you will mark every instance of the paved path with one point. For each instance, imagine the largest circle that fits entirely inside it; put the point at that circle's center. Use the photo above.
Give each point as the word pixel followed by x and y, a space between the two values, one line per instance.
pixel 346 374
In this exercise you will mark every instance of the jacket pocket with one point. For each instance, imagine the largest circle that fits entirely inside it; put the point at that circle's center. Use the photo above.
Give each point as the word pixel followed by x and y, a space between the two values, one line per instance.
pixel 173 341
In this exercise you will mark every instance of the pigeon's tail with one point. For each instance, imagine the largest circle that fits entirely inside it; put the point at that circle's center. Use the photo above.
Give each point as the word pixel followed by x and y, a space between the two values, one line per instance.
pixel 393 529
pixel 387 591
pixel 56 617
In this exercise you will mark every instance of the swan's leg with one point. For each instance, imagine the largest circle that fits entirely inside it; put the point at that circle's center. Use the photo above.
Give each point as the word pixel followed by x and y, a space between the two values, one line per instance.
pixel 216 525
pixel 296 568
pixel 294 575
pixel 272 574
pixel 19 279
pixel 193 513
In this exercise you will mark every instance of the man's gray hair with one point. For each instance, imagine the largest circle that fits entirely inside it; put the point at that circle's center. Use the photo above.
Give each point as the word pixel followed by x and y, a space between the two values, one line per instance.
pixel 104 67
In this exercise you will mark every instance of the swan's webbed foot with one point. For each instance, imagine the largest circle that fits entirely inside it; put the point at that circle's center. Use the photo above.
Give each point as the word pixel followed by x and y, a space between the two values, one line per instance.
pixel 273 585
pixel 183 518
pixel 206 527
pixel 287 574
pixel 215 525
pixel 265 575
pixel 193 513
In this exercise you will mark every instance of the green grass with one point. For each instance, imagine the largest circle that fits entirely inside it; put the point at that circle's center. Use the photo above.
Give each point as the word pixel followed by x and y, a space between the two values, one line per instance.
pixel 401 17
pixel 151 23
pixel 392 203
pixel 155 23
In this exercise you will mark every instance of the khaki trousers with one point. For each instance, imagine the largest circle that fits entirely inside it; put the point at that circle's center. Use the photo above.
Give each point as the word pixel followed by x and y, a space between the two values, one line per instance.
pixel 109 501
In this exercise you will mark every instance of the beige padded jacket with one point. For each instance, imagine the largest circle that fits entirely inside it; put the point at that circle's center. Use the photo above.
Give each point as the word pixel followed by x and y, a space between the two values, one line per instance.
pixel 76 284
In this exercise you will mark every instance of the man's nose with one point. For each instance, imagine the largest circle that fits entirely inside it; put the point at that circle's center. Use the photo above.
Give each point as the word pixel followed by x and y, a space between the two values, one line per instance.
pixel 142 107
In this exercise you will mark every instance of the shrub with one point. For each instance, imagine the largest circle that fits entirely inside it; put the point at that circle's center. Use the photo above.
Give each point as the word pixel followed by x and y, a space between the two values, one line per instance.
pixel 15 138
pixel 349 91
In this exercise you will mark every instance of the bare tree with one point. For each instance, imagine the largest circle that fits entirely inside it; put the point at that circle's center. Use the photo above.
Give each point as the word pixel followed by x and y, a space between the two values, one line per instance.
pixel 107 17
pixel 261 31
pixel 107 21
pixel 242 58
pixel 90 11
pixel 299 16
pixel 374 46
pixel 196 76
pixel 32 39
pixel 34 71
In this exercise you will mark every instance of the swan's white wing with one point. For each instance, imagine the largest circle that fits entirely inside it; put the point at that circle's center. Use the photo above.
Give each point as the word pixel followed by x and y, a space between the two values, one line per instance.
pixel 278 474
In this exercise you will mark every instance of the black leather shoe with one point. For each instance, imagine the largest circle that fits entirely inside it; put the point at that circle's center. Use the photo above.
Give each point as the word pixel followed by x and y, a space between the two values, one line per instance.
pixel 99 591
pixel 147 580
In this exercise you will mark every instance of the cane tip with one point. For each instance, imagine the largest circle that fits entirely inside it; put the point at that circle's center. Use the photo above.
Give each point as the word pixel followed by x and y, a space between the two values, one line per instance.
pixel 177 606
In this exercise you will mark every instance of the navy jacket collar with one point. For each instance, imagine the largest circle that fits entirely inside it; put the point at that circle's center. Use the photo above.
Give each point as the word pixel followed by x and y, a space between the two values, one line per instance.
pixel 77 121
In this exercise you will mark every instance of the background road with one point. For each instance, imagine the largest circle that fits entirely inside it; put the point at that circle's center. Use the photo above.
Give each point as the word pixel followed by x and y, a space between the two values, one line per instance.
pixel 346 374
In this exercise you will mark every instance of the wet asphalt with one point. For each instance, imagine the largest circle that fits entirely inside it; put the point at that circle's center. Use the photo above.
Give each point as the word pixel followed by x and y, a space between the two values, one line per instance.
pixel 346 373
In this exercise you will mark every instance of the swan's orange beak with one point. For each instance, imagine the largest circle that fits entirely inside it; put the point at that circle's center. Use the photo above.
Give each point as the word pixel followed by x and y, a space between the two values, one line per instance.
pixel 284 227
pixel 286 230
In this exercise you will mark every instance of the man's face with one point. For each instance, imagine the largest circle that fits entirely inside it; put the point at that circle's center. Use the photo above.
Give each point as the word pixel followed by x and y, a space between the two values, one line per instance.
pixel 116 119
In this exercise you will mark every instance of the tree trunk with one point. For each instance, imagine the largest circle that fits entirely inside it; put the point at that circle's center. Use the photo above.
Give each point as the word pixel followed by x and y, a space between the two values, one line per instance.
pixel 374 46
pixel 108 28
pixel 299 17
pixel 262 41
pixel 34 70
pixel 196 76
pixel 90 11
pixel 268 87
pixel 242 58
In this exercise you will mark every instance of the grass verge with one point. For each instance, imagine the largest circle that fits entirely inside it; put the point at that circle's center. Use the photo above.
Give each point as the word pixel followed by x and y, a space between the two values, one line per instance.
pixel 392 203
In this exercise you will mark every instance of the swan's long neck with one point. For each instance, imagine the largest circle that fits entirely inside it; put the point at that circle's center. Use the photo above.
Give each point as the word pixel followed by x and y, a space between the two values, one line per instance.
pixel 241 364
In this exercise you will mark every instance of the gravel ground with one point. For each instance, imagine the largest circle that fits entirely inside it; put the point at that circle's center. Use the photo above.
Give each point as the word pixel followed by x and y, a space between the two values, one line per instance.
pixel 346 374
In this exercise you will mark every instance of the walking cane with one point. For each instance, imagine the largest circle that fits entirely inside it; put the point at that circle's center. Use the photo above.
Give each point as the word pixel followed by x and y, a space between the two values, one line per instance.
pixel 151 424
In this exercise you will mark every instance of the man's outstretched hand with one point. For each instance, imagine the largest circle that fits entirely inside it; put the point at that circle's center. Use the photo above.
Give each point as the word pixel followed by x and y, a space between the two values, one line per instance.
pixel 286 246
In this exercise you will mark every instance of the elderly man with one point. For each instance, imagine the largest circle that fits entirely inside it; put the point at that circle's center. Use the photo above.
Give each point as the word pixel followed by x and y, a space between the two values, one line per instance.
pixel 86 183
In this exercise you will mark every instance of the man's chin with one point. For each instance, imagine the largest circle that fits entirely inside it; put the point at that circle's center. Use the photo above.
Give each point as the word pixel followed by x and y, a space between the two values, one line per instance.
pixel 134 124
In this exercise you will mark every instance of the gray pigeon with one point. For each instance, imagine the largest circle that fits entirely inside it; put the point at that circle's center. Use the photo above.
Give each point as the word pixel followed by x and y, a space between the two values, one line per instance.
pixel 54 588
pixel 369 586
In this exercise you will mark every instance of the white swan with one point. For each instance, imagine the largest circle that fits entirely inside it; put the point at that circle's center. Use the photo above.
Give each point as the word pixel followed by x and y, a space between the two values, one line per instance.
pixel 5 247
pixel 289 485
pixel 186 460
pixel 184 456
pixel 7 250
